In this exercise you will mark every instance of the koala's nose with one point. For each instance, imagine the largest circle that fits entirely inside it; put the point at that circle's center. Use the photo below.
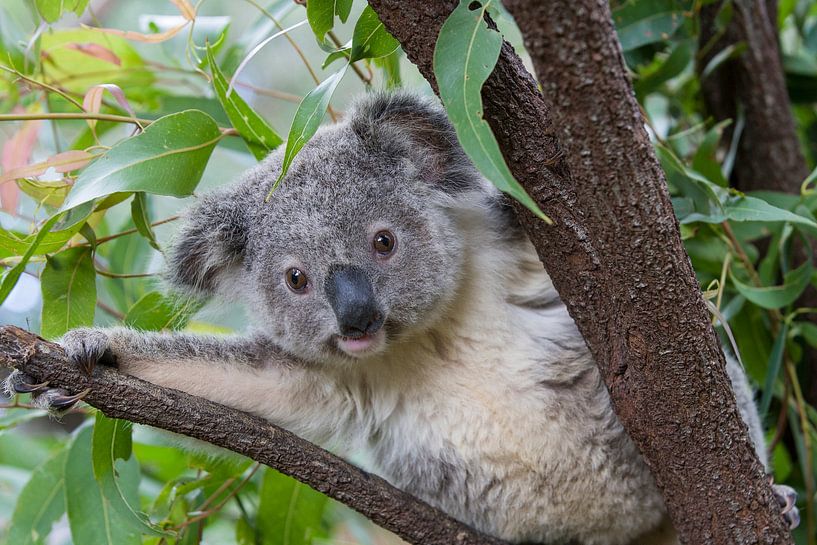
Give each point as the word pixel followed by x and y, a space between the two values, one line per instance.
pixel 350 293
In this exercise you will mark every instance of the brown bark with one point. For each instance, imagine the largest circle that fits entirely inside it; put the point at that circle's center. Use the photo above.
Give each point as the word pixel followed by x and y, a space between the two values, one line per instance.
pixel 616 257
pixel 769 155
pixel 123 396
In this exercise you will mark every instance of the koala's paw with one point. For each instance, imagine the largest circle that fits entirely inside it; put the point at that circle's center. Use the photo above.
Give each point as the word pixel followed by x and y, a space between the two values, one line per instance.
pixel 786 497
pixel 87 346
pixel 55 400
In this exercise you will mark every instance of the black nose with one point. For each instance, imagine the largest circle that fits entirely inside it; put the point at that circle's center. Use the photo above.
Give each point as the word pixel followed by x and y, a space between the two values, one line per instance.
pixel 350 293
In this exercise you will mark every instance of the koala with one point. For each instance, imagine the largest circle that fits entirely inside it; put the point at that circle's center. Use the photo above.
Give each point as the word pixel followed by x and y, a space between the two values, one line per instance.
pixel 400 311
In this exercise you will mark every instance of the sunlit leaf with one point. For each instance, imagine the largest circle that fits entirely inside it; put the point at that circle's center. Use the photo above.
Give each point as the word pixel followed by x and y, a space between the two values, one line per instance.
pixel 40 504
pixel 370 39
pixel 321 15
pixel 97 51
pixel 61 162
pixel 155 312
pixel 308 118
pixel 256 132
pixel 168 158
pixel 68 285
pixel 12 275
pixel 464 57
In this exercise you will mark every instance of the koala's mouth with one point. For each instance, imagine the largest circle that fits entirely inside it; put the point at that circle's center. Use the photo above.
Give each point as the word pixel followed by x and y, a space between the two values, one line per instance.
pixel 364 345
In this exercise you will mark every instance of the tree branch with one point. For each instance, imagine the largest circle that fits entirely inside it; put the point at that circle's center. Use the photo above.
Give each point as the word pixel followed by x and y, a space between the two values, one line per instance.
pixel 615 256
pixel 122 396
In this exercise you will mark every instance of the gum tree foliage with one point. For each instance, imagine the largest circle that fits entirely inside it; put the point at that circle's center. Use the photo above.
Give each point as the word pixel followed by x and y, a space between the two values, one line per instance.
pixel 105 123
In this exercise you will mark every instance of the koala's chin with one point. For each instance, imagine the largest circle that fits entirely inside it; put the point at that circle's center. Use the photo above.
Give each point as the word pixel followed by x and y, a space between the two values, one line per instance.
pixel 362 346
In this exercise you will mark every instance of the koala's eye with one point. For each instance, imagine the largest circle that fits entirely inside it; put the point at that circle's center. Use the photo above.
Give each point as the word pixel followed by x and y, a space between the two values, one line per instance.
pixel 384 243
pixel 296 280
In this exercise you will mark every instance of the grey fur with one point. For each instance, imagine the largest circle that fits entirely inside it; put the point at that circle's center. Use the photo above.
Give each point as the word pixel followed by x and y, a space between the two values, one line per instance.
pixel 484 399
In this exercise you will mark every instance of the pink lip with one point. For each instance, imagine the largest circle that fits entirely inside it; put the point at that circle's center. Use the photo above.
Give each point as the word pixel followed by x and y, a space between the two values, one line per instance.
pixel 361 345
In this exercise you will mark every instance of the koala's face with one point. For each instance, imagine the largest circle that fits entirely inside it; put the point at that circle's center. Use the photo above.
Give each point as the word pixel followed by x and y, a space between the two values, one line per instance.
pixel 352 250
pixel 356 247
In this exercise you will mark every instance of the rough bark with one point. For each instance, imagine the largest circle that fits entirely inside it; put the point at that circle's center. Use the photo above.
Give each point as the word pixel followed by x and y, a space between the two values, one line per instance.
pixel 616 257
pixel 769 155
pixel 122 396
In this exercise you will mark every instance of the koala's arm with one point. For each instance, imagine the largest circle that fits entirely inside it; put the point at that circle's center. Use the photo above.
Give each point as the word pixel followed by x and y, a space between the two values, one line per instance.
pixel 246 373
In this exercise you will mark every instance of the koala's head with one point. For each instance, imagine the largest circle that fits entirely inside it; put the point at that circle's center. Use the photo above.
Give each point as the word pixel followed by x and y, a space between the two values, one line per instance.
pixel 362 241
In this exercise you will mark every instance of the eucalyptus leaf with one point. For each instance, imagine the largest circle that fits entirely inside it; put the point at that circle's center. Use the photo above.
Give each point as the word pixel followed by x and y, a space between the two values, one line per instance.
pixel 141 219
pixel 289 512
pixel 370 39
pixel 773 297
pixel 40 504
pixel 90 516
pixel 12 275
pixel 111 441
pixel 773 370
pixel 321 15
pixel 464 57
pixel 168 158
pixel 256 132
pixel 307 120
pixel 642 22
pixel 156 312
pixel 68 285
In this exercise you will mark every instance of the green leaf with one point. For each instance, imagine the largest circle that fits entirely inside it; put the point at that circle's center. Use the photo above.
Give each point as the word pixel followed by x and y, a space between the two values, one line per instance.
pixel 168 158
pixel 68 285
pixel 12 275
pixel 256 132
pixel 49 10
pixel 464 57
pixel 705 159
pixel 90 516
pixel 12 243
pixel 141 219
pixel 370 39
pixel 289 513
pixel 155 312
pixel 642 22
pixel 321 15
pixel 732 51
pixel 13 417
pixel 111 441
pixel 670 67
pixel 307 120
pixel 772 297
pixel 40 504
pixel 772 370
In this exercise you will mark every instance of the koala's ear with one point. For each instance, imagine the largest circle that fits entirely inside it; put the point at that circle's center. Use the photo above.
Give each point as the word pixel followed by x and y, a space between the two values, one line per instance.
pixel 401 124
pixel 210 243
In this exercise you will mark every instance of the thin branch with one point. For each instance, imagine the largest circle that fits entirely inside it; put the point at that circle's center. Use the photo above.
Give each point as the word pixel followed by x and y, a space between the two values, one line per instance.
pixel 122 396
pixel 99 117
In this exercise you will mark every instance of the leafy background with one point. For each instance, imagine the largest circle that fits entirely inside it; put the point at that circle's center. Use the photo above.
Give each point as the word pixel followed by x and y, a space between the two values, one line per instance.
pixel 114 115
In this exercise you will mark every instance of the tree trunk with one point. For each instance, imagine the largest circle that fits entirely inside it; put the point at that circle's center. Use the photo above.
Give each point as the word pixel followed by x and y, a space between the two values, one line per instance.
pixel 769 154
pixel 616 258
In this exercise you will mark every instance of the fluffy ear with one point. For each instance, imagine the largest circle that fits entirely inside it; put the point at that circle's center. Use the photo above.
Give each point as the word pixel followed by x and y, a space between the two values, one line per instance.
pixel 404 124
pixel 211 242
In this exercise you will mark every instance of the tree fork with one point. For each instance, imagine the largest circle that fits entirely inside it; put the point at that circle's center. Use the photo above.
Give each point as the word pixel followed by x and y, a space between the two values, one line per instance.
pixel 616 257
pixel 122 396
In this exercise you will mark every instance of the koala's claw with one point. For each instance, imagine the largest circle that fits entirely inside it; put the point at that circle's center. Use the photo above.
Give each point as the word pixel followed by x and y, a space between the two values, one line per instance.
pixel 62 402
pixel 786 498
pixel 86 347
pixel 20 383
